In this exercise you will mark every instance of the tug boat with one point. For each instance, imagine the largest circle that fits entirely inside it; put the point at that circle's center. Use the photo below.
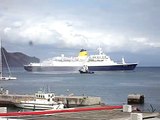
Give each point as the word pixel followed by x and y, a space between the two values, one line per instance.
pixel 85 70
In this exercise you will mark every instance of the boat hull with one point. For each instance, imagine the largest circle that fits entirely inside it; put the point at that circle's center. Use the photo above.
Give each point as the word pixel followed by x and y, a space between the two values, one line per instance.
pixel 119 67
pixel 34 106
pixel 113 67
pixel 89 72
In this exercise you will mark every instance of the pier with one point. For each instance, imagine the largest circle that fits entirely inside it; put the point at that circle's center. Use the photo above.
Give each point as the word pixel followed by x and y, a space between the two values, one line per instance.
pixel 73 101
pixel 85 107
pixel 69 101
pixel 78 107
pixel 83 113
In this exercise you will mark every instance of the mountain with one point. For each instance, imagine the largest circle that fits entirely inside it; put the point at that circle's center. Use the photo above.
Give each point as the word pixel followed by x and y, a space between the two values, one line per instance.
pixel 17 59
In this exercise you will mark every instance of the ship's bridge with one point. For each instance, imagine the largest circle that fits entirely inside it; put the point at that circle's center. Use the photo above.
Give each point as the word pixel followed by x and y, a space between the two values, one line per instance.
pixel 99 58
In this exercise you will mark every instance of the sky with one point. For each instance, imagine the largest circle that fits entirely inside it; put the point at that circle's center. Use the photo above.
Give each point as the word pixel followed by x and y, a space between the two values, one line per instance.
pixel 47 28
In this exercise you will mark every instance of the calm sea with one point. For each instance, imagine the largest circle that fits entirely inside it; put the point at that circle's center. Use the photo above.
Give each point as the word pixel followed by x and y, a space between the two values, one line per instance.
pixel 112 86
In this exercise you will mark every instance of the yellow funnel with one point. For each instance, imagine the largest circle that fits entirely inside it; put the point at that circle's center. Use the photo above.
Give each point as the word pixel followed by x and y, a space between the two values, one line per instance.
pixel 83 53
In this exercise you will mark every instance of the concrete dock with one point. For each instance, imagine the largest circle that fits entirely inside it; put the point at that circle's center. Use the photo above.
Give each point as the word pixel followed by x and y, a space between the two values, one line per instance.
pixel 115 114
pixel 70 101
pixel 75 101
pixel 96 115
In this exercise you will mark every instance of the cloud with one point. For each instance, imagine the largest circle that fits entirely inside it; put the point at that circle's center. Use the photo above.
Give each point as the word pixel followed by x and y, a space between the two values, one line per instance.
pixel 146 42
pixel 68 35
pixel 113 25
pixel 6 30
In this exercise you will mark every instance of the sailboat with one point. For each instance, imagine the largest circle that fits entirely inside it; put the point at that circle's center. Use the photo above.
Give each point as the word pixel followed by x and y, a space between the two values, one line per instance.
pixel 1 70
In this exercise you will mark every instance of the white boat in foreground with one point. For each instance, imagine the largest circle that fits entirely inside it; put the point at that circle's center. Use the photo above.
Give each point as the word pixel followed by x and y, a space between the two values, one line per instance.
pixel 43 101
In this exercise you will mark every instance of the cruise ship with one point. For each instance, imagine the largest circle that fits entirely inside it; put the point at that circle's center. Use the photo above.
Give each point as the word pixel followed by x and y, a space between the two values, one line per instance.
pixel 96 62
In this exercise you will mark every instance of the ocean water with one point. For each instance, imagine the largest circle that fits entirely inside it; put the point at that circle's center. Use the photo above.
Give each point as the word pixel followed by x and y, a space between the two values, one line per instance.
pixel 112 86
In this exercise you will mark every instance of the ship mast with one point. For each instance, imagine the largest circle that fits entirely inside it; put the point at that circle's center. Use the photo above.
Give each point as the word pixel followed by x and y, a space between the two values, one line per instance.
pixel 100 51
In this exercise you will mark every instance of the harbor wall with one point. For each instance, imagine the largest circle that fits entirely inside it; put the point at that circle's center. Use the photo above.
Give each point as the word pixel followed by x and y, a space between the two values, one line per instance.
pixel 70 101
pixel 78 100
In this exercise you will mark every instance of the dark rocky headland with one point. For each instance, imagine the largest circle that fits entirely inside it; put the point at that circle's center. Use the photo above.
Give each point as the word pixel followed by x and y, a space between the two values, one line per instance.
pixel 17 59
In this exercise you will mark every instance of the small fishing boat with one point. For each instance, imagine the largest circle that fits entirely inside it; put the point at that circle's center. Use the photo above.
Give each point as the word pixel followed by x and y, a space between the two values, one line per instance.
pixel 43 101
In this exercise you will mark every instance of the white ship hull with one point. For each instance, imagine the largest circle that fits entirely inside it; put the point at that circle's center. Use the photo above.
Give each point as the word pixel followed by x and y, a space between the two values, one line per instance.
pixel 130 66
pixel 98 62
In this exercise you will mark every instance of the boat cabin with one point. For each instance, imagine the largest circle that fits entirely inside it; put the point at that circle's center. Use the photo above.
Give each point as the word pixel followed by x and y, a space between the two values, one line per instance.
pixel 47 96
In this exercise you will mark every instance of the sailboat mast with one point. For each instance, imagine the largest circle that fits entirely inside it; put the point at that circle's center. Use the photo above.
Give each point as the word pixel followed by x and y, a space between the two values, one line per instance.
pixel 1 58
pixel 5 59
pixel 1 64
